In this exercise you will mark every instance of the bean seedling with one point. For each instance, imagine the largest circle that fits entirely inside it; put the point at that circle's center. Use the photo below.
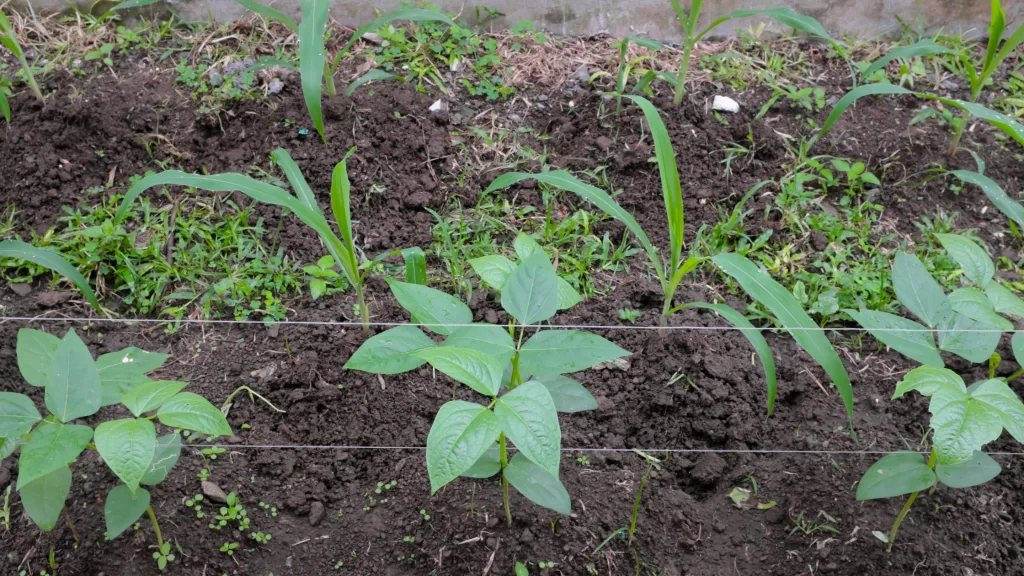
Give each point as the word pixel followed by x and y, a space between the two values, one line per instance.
pixel 964 419
pixel 470 439
pixel 77 386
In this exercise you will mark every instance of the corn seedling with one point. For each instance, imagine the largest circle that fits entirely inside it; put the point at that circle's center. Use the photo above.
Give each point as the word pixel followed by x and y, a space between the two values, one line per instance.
pixel 964 419
pixel 652 464
pixel 9 40
pixel 77 386
pixel 51 261
pixel 470 439
pixel 316 73
pixel 967 320
pixel 302 204
pixel 979 75
pixel 626 67
pixel 691 35
pixel 754 281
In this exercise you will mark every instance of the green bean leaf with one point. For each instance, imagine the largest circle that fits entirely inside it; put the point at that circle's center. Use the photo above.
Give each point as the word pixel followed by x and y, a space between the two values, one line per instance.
pixel 487 338
pixel 1007 205
pixel 1004 301
pixel 529 419
pixel 978 470
pixel 917 290
pixel 895 475
pixel 437 311
pixel 537 484
pixel 479 371
pixel 976 264
pixel 568 395
pixel 486 466
pixel 122 508
pixel 916 343
pixel 51 446
pixel 35 351
pixel 73 384
pixel 389 351
pixel 127 446
pixel 165 456
pixel 494 270
pixel 553 352
pixel 43 498
pixel 974 304
pixel 193 412
pixel 17 414
pixel 530 294
pixel 461 434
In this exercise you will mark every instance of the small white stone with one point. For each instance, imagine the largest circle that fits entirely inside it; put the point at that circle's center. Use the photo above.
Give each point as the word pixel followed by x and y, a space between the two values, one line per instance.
pixel 439 107
pixel 725 104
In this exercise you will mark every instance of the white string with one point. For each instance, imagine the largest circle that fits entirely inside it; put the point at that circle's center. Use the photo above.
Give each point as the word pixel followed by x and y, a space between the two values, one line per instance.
pixel 28 319
pixel 647 450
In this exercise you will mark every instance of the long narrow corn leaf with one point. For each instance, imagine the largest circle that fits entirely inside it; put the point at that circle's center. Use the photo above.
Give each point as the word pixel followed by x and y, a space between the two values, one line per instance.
pixel 7 37
pixel 924 47
pixel 270 14
pixel 295 178
pixel 51 261
pixel 565 181
pixel 340 205
pixel 997 25
pixel 785 16
pixel 122 6
pixel 1001 121
pixel 786 308
pixel 312 57
pixel 231 182
pixel 415 266
pixel 370 76
pixel 1007 205
pixel 1011 44
pixel 764 352
pixel 670 188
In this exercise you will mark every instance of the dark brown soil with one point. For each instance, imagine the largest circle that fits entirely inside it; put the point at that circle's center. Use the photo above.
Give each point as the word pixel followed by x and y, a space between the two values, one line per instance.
pixel 686 523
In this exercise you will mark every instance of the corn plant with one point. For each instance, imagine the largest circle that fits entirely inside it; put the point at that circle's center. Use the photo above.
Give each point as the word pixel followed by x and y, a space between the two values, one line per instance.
pixel 76 386
pixel 303 204
pixel 470 439
pixel 626 66
pixel 692 35
pixel 978 74
pixel 754 281
pixel 314 69
pixel 968 320
pixel 51 261
pixel 963 420
pixel 995 193
pixel 495 270
pixel 9 40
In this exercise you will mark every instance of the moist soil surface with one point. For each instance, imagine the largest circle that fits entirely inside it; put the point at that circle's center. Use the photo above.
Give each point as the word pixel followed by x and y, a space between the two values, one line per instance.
pixel 802 517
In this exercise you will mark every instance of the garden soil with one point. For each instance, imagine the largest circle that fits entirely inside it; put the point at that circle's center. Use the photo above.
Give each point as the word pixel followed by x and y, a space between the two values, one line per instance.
pixel 801 516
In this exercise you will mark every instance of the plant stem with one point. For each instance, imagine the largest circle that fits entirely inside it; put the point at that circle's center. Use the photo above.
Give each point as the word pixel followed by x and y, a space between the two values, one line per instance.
pixel 71 524
pixel 364 312
pixel 252 393
pixel 30 78
pixel 1015 375
pixel 156 527
pixel 961 126
pixel 684 69
pixel 329 78
pixel 899 519
pixel 504 480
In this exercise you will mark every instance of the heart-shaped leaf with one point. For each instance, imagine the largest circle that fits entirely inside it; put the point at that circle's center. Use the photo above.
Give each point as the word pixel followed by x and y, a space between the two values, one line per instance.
pixel 978 470
pixel 388 352
pixel 51 446
pixel 122 508
pixel 460 435
pixel 439 312
pixel 165 456
pixel 150 396
pixel 552 352
pixel 477 370
pixel 35 350
pixel 43 498
pixel 537 484
pixel 529 419
pixel 127 446
pixel 487 338
pixel 73 383
pixel 568 395
pixel 895 475
pixel 17 414
pixel 530 294
pixel 193 412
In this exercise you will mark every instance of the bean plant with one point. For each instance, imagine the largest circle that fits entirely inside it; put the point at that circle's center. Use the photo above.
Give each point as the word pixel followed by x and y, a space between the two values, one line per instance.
pixel 979 74
pixel 520 370
pixel 692 34
pixel 963 420
pixel 302 203
pixel 495 269
pixel 314 69
pixel 968 320
pixel 75 386
pixel 9 40
pixel 753 280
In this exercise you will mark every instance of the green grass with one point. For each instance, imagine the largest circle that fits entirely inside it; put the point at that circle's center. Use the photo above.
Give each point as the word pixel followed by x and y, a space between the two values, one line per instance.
pixel 222 262
pixel 588 260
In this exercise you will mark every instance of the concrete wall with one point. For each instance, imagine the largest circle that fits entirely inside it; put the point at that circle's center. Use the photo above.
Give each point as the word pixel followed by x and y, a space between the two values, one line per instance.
pixel 655 18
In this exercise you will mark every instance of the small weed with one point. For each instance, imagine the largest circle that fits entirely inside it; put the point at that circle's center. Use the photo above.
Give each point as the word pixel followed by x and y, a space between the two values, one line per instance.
pixel 261 537
pixel 583 461
pixel 163 555
pixel 424 515
pixel 822 523
pixel 629 315
pixel 229 548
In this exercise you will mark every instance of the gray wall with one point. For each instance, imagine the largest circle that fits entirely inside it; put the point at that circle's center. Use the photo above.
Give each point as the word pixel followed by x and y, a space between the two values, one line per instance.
pixel 655 18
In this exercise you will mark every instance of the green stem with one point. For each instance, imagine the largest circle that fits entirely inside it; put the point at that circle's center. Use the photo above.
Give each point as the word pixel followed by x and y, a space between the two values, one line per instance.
pixel 364 312
pixel 1015 375
pixel 156 527
pixel 504 480
pixel 329 80
pixel 516 378
pixel 684 69
pixel 30 77
pixel 961 126
pixel 899 519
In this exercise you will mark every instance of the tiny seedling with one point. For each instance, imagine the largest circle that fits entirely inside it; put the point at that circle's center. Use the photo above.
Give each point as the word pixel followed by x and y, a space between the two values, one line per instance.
pixel 627 66
pixel 261 537
pixel 424 515
pixel 963 419
pixel 471 439
pixel 629 315
pixel 77 386
pixel 229 548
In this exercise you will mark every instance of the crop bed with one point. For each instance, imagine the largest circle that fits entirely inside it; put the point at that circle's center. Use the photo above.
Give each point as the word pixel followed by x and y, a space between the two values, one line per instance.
pixel 343 466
